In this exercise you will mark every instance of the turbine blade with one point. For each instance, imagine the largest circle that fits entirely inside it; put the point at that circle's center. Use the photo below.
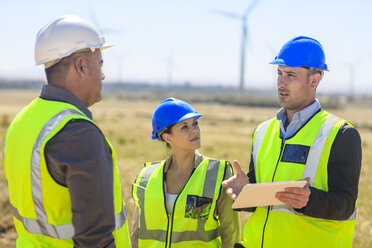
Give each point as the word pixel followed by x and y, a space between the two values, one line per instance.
pixel 250 7
pixel 94 19
pixel 113 31
pixel 226 13
pixel 103 30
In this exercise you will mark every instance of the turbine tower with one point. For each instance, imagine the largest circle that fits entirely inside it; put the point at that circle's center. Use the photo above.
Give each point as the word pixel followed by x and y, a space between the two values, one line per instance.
pixel 169 63
pixel 273 52
pixel 245 33
pixel 170 69
pixel 352 71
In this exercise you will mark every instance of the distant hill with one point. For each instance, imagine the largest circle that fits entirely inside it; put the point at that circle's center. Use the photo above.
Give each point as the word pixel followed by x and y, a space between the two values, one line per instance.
pixel 193 93
pixel 139 87
pixel 20 84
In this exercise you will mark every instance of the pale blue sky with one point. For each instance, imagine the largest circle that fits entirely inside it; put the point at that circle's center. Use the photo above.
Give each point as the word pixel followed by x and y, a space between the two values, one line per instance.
pixel 204 46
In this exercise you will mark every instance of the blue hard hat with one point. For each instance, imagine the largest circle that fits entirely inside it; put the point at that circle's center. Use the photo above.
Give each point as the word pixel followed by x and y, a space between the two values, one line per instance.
pixel 302 51
pixel 169 112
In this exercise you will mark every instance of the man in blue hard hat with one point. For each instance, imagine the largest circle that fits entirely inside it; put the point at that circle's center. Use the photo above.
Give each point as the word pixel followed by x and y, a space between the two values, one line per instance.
pixel 302 141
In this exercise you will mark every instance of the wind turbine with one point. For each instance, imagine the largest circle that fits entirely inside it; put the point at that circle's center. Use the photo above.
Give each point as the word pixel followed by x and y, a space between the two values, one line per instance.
pixel 352 68
pixel 245 33
pixel 120 63
pixel 273 52
pixel 104 30
pixel 170 69
pixel 169 61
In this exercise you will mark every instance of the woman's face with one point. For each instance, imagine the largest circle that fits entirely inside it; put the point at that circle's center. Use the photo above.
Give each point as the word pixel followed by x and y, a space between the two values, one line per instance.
pixel 184 135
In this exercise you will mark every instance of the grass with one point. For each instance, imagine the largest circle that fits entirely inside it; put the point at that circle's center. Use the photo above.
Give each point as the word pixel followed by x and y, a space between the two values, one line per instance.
pixel 226 134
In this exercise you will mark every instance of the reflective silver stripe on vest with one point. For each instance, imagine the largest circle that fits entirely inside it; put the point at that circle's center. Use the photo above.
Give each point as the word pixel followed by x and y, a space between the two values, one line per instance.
pixel 317 147
pixel 289 210
pixel 200 233
pixel 312 163
pixel 36 187
pixel 211 178
pixel 313 159
pixel 64 231
pixel 208 191
pixel 260 134
pixel 120 218
pixel 144 233
pixel 33 226
pixel 40 225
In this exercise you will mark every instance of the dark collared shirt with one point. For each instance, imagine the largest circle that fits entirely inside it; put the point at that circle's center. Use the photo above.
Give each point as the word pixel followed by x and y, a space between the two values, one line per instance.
pixel 79 158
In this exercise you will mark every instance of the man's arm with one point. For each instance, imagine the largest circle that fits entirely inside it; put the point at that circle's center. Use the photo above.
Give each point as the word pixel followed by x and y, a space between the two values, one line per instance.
pixel 79 158
pixel 135 230
pixel 344 167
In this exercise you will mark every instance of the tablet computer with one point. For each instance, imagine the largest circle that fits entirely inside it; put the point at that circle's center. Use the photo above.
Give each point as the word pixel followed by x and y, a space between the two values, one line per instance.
pixel 263 194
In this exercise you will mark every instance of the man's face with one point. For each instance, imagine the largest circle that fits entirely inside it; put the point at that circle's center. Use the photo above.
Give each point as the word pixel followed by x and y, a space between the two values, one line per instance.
pixel 95 77
pixel 296 87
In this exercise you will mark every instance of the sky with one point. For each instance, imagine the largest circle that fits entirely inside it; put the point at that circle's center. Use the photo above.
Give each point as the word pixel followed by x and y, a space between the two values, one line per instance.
pixel 203 47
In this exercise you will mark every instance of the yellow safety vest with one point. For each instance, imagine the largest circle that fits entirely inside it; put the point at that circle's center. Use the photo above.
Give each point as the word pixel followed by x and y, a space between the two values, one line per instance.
pixel 306 154
pixel 192 223
pixel 42 207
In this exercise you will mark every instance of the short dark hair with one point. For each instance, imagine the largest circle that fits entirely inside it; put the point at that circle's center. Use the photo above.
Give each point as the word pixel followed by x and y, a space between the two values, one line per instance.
pixel 59 70
pixel 312 71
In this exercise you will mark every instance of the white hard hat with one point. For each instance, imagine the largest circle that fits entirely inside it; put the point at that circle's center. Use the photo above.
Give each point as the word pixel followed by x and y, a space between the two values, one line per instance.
pixel 64 36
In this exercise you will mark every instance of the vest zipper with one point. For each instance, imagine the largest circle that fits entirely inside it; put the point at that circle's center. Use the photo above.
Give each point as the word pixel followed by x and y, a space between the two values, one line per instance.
pixel 272 180
pixel 170 223
pixel 170 217
pixel 165 207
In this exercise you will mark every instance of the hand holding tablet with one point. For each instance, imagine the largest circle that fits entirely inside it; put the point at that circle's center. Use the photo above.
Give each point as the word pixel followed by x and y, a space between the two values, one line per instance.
pixel 263 194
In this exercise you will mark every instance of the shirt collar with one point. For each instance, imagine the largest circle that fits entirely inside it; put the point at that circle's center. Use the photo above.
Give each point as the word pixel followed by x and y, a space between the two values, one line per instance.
pixel 302 116
pixel 54 93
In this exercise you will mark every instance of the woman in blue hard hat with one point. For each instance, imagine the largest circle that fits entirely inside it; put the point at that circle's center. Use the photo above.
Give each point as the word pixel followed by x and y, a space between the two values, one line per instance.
pixel 179 201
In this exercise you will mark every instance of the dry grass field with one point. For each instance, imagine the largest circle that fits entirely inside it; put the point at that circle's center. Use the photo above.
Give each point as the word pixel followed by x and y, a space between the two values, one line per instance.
pixel 226 134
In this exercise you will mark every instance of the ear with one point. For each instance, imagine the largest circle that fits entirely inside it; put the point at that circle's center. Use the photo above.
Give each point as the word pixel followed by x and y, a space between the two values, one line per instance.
pixel 166 137
pixel 80 66
pixel 315 79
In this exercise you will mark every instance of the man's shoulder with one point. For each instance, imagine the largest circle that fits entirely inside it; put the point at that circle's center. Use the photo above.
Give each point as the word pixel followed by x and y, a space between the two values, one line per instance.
pixel 265 123
pixel 82 129
pixel 347 129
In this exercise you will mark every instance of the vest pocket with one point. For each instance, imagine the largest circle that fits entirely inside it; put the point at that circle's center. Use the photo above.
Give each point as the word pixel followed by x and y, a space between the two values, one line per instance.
pixel 295 153
pixel 198 207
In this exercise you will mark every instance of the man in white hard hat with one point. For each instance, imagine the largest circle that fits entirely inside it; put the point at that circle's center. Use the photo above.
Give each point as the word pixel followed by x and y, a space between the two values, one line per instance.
pixel 302 141
pixel 64 186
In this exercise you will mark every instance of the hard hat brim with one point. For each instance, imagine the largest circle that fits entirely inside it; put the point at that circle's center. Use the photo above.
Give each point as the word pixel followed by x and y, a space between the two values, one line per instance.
pixel 60 56
pixel 282 62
